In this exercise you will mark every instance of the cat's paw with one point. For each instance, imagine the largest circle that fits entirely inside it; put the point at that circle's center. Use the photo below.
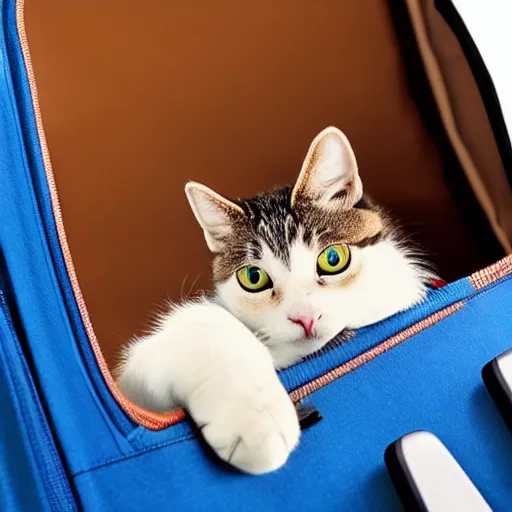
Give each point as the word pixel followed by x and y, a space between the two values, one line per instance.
pixel 208 362
pixel 253 430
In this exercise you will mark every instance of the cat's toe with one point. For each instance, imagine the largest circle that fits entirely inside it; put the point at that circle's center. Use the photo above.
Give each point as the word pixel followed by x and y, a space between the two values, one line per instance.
pixel 265 445
pixel 260 455
pixel 258 438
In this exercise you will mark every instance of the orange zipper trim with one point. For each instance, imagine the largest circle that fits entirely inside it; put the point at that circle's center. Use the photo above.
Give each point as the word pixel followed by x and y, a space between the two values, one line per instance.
pixel 145 418
pixel 360 360
pixel 491 274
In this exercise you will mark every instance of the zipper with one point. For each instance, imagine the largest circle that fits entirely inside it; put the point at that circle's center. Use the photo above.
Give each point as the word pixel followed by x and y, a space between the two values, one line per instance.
pixel 140 416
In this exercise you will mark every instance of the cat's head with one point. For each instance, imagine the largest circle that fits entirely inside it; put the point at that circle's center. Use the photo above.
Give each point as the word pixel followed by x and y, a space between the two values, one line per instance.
pixel 299 264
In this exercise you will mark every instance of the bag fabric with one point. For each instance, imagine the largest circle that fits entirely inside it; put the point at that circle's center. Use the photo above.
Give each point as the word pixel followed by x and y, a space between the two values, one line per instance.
pixel 69 441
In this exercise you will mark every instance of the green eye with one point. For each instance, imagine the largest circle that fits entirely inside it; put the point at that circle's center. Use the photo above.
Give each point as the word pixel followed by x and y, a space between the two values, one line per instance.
pixel 333 260
pixel 253 279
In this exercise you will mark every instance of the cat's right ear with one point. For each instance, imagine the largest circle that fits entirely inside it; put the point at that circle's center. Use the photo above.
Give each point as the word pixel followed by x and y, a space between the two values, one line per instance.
pixel 215 214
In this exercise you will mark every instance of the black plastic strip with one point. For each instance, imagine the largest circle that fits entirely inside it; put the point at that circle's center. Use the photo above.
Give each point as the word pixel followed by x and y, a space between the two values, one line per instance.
pixel 308 415
pixel 402 479
pixel 499 386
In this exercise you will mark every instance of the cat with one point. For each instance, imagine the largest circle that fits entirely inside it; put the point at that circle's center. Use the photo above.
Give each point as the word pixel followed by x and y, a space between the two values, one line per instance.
pixel 292 268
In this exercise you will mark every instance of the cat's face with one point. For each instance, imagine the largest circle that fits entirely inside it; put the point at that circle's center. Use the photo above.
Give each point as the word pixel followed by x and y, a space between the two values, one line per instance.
pixel 299 264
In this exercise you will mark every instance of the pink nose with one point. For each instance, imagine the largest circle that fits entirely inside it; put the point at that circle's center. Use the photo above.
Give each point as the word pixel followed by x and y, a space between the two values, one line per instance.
pixel 305 322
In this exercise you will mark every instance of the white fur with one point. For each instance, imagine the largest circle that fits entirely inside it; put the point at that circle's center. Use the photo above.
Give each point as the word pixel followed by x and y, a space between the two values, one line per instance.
pixel 204 359
pixel 212 212
pixel 329 167
pixel 380 281
pixel 217 358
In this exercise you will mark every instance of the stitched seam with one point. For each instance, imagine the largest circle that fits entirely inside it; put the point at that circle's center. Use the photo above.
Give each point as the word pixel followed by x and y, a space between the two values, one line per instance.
pixel 326 378
pixel 115 460
pixel 57 486
pixel 369 355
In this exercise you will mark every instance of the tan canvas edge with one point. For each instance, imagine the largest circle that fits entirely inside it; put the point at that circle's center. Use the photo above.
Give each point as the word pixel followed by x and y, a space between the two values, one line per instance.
pixel 442 99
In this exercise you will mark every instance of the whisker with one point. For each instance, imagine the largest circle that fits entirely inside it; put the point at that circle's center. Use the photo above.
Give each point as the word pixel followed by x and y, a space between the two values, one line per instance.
pixel 193 284
pixel 183 286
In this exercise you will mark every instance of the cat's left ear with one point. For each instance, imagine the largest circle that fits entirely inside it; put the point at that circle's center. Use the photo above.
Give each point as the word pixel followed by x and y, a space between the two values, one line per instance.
pixel 215 214
pixel 329 174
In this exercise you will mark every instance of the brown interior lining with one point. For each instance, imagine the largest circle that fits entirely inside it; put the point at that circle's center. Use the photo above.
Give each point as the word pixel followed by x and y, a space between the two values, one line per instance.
pixel 464 116
pixel 137 99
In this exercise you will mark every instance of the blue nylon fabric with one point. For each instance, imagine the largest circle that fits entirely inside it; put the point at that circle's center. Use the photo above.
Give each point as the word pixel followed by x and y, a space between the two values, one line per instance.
pixel 32 476
pixel 431 381
pixel 29 249
pixel 368 337
pixel 41 197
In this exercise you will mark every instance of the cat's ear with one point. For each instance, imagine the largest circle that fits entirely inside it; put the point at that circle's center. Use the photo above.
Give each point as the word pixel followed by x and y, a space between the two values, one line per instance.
pixel 215 214
pixel 329 174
